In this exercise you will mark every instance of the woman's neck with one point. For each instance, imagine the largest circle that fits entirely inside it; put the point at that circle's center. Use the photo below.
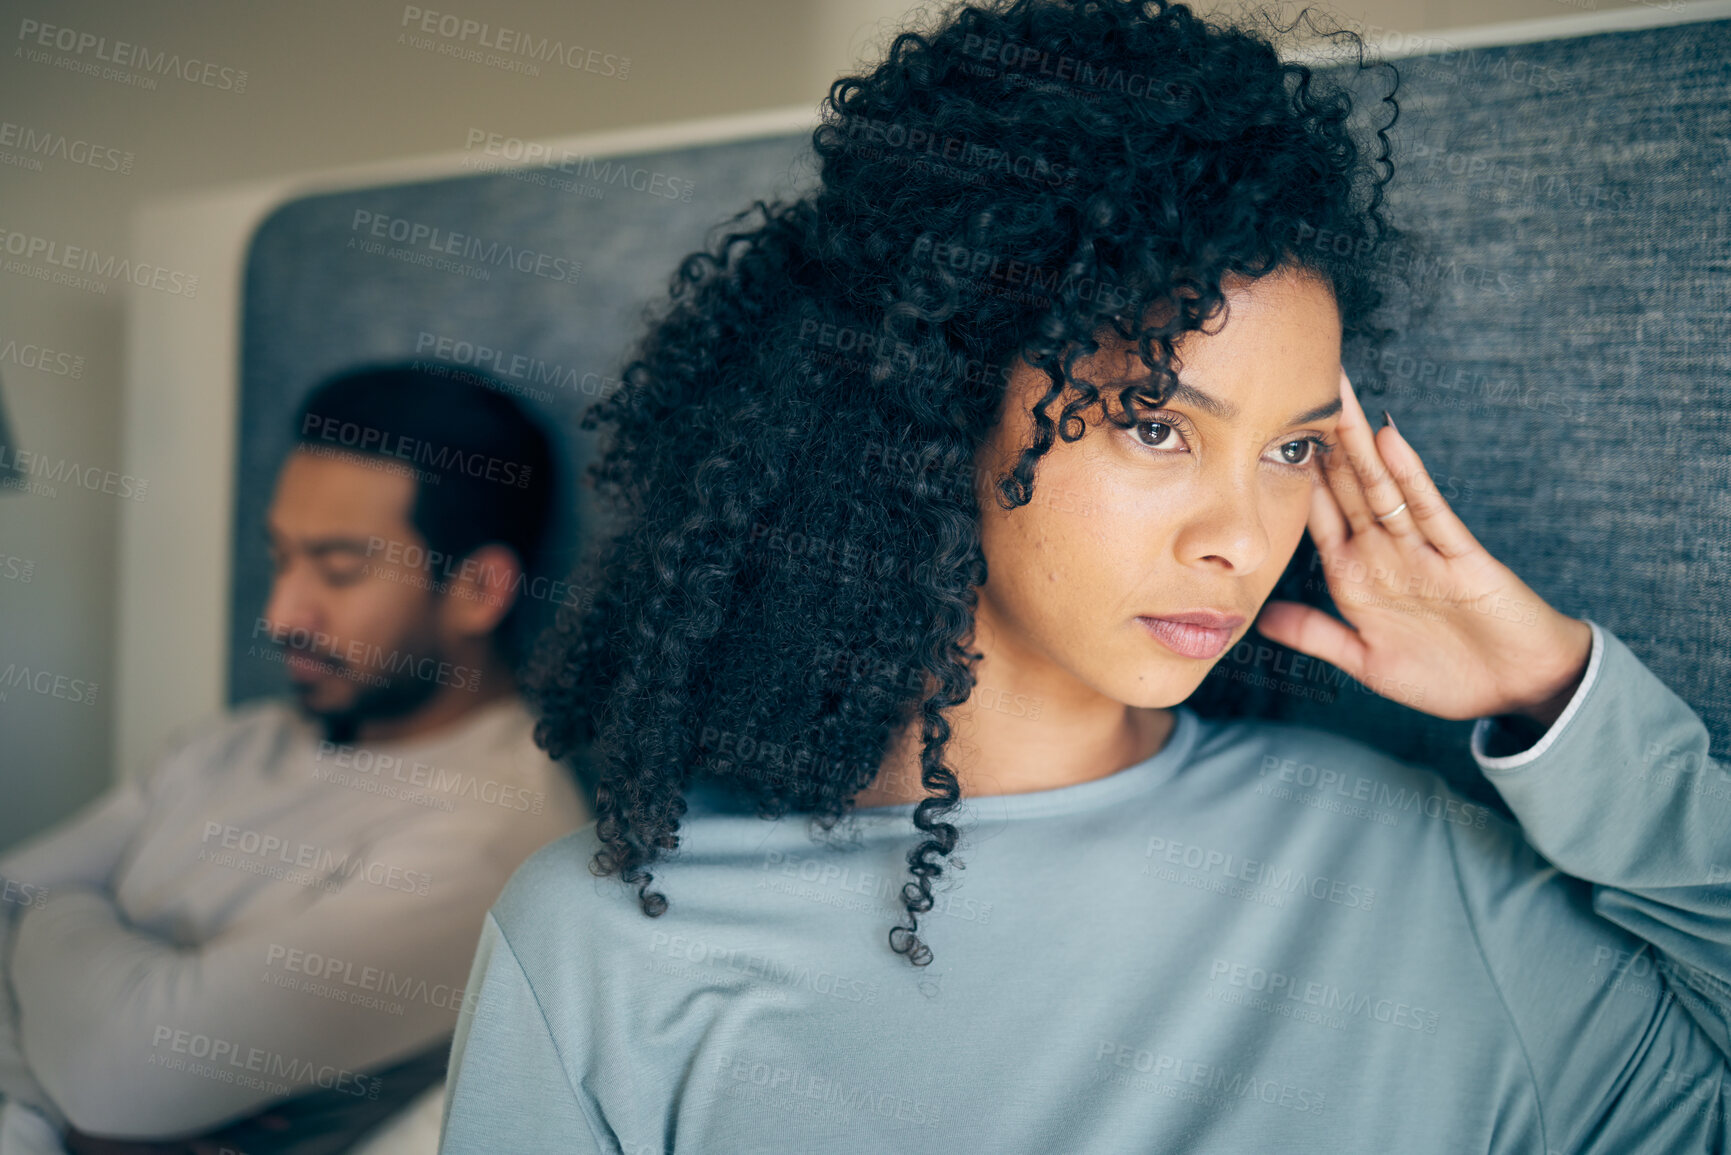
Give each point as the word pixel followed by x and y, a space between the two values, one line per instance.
pixel 995 747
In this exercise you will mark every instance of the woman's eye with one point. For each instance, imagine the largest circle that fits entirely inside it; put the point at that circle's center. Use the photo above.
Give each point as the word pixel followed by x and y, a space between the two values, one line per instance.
pixel 1302 452
pixel 1163 436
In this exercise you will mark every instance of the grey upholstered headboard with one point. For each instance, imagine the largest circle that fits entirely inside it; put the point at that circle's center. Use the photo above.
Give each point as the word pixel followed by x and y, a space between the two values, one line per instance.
pixel 1564 365
pixel 342 279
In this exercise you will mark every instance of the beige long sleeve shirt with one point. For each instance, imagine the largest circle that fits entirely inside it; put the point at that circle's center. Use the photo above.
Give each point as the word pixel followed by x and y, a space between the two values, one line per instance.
pixel 263 913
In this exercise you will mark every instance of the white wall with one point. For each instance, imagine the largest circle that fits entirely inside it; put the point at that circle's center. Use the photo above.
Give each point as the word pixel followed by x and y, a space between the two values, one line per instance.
pixel 327 85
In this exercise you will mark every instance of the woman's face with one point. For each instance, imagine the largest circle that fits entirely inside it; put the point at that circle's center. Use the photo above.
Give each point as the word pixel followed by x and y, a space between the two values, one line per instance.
pixel 1198 507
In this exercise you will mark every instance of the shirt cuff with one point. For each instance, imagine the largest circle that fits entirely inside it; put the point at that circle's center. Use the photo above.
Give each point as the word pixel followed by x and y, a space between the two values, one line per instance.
pixel 1482 730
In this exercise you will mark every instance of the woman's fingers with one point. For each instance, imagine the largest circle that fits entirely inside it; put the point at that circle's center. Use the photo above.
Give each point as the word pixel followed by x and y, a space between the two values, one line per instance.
pixel 1328 528
pixel 1382 495
pixel 1430 511
pixel 1310 631
pixel 1338 470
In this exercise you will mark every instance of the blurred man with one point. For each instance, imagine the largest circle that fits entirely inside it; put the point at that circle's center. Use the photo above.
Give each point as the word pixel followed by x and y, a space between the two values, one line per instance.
pixel 261 943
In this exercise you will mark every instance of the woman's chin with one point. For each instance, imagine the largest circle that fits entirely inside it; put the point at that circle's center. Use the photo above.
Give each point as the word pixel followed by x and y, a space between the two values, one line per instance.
pixel 1159 687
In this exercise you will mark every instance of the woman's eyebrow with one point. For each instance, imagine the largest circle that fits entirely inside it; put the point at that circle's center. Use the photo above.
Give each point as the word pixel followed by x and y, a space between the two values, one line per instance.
pixel 1318 413
pixel 1208 403
pixel 1227 411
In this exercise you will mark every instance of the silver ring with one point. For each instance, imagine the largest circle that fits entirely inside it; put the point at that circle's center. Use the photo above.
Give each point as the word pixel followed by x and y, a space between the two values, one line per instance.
pixel 1391 513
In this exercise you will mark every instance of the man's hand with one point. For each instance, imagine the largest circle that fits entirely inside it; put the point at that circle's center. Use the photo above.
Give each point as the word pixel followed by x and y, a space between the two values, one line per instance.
pixel 78 1143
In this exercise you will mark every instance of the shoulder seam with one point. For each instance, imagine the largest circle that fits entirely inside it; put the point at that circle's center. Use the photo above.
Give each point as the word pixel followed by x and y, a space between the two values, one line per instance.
pixel 1508 1013
pixel 577 1095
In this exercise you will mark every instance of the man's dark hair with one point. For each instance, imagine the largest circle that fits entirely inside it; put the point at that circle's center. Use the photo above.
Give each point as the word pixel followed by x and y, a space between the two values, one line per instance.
pixel 483 467
pixel 793 452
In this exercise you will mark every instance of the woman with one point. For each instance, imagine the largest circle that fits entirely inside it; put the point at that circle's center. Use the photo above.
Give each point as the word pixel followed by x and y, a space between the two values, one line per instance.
pixel 939 493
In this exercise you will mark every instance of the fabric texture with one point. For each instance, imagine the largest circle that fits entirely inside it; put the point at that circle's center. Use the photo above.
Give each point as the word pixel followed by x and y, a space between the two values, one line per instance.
pixel 265 914
pixel 1563 359
pixel 1563 352
pixel 1265 937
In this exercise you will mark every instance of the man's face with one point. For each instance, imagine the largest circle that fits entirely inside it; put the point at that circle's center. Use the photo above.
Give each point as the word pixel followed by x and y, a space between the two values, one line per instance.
pixel 1200 506
pixel 349 614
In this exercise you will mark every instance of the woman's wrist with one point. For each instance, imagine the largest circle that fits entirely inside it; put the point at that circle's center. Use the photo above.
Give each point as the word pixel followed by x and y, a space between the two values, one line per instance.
pixel 1556 692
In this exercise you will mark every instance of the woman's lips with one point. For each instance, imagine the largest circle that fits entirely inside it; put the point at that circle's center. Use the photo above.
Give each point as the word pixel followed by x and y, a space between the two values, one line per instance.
pixel 1190 641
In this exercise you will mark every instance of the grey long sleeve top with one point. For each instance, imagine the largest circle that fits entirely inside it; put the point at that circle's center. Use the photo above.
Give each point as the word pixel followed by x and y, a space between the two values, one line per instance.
pixel 1263 938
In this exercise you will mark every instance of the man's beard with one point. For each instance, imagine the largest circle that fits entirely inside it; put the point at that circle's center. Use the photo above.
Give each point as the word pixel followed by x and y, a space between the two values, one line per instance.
pixel 399 695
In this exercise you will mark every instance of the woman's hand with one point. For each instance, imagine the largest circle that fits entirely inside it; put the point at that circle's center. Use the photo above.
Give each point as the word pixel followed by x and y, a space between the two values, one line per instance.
pixel 1437 623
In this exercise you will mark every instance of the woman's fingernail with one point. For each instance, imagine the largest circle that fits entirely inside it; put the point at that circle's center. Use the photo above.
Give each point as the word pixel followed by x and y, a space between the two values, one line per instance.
pixel 1387 420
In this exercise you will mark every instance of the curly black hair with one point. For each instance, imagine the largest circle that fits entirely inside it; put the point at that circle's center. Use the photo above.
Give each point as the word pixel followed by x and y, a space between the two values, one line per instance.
pixel 791 572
